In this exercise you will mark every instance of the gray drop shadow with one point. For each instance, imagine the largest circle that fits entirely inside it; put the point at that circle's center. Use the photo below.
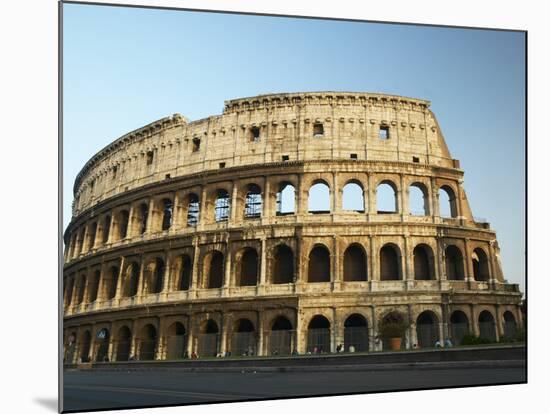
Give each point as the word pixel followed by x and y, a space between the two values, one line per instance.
pixel 49 403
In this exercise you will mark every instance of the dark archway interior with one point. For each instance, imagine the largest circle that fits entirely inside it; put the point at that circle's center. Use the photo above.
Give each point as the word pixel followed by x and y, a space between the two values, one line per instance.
pixel 355 264
pixel 283 266
pixel 319 265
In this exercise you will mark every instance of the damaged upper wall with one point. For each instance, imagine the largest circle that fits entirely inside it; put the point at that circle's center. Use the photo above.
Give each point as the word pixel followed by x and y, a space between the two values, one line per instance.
pixel 266 129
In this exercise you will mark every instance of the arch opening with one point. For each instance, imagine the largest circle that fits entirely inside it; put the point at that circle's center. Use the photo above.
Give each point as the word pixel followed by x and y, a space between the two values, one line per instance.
pixel 283 265
pixel 147 343
pixel 454 263
pixel 123 344
pixel 193 210
pixel 186 271
pixel 243 339
pixel 480 265
pixel 248 268
pixel 281 337
pixel 286 199
pixel 319 198
pixel 176 341
pixel 487 328
pixel 208 339
pixel 221 206
pixel 423 262
pixel 355 264
pixel 459 327
pixel 390 266
pixel 386 198
pixel 253 202
pixel 318 335
pixel 418 200
pixel 214 270
pixel 319 265
pixel 427 329
pixel 352 197
pixel 447 202
pixel 356 333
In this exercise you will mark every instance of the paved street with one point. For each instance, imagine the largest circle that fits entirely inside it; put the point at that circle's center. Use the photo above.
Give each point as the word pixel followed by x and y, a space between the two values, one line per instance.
pixel 86 390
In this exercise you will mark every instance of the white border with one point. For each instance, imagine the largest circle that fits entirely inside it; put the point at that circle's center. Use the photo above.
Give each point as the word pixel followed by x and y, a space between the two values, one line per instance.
pixel 29 167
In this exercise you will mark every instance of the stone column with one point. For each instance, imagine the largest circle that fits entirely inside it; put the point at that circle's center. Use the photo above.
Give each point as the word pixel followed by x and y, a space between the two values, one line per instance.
pixel 492 267
pixel 467 262
pixel 176 213
pixel 374 259
pixel 266 198
pixel 166 285
pixel 302 197
pixel 227 282
pixel 409 261
pixel 111 229
pixel 336 276
pixel 233 206
pixel 203 215
pixel 499 328
pixel 141 280
pixel 195 283
pixel 149 228
pixel 335 193
pixel 132 219
pixel 85 245
pixel 118 292
pixel 261 340
pixel 225 332
pixel 371 197
pixel 263 268
pixel 434 201
pixel 403 197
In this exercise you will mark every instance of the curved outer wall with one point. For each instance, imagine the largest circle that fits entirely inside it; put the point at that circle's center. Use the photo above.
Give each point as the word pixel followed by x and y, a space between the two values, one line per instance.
pixel 131 219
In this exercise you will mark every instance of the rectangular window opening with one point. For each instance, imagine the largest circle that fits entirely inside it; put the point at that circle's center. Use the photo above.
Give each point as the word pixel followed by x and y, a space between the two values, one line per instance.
pixel 254 134
pixel 318 130
pixel 222 164
pixel 196 144
pixel 353 156
pixel 285 158
pixel 167 177
pixel 416 159
pixel 384 132
pixel 150 157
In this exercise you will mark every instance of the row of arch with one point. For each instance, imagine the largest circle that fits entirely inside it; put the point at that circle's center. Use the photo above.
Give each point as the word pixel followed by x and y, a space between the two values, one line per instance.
pixel 280 337
pixel 247 270
pixel 157 215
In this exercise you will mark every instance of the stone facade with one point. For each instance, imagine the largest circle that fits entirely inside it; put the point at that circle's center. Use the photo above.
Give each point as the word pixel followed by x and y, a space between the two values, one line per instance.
pixel 181 240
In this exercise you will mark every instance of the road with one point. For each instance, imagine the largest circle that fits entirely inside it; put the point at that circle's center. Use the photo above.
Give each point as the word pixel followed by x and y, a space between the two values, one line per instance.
pixel 86 390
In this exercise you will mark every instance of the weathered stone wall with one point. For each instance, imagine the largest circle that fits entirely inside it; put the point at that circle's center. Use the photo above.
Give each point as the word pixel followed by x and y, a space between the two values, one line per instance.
pixel 134 266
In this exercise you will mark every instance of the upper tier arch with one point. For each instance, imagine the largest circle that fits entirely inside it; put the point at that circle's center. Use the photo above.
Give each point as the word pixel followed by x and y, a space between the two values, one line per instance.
pixel 266 129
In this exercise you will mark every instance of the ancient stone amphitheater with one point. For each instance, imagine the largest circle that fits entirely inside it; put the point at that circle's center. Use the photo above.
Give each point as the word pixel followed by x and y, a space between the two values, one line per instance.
pixel 290 223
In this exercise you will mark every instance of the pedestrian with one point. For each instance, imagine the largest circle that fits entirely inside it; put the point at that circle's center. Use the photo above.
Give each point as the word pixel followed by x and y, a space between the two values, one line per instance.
pixel 339 348
pixel 351 349
pixel 448 343
pixel 105 358
pixel 438 344
pixel 315 350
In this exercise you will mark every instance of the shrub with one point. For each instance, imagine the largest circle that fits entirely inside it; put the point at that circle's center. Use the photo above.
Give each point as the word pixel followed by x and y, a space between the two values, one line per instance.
pixel 392 329
pixel 471 339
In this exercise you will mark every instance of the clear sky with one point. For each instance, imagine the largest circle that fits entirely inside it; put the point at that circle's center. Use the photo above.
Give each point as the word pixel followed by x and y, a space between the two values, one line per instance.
pixel 126 67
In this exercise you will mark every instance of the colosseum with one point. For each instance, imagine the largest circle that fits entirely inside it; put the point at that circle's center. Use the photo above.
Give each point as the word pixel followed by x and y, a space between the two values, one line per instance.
pixel 262 231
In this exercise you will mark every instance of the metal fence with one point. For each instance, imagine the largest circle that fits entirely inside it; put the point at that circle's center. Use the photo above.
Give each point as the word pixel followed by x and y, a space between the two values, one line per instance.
pixel 427 334
pixel 243 344
pixel 281 342
pixel 207 345
pixel 147 349
pixel 176 347
pixel 318 340
pixel 487 330
pixel 356 337
pixel 122 350
pixel 510 329
pixel 458 331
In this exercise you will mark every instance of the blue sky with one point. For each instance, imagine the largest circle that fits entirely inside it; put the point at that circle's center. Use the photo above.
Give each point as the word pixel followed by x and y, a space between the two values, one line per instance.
pixel 126 67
